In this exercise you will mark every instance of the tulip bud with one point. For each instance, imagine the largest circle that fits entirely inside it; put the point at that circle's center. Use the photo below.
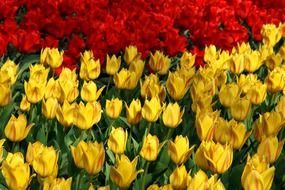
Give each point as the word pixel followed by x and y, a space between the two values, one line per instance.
pixel 113 108
pixel 34 91
pixel 113 64
pixel 87 115
pixel 89 68
pixel 176 86
pixel 125 79
pixel 151 87
pixel 257 93
pixel 131 54
pixel 179 178
pixel 43 55
pixel 229 94
pixel 65 114
pixel 159 62
pixel 275 80
pixel 124 172
pixel 172 116
pixel 49 107
pixel 5 95
pixel 25 104
pixel 187 60
pixel 1 149
pixel 179 150
pixel 45 162
pixel 240 109
pixel 270 148
pixel 150 148
pixel 118 140
pixel 10 69
pixel 58 183
pixel 205 124
pixel 257 174
pixel 13 167
pixel 216 157
pixel 89 91
pixel 54 58
pixel 134 112
pixel 151 109
pixel 16 129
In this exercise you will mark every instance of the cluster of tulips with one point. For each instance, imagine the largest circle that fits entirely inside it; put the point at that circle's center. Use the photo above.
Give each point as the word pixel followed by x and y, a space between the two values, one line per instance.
pixel 171 126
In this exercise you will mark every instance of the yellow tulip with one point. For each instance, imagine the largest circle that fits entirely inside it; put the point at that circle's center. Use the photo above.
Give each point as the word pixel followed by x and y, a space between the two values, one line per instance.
pixel 89 92
pixel 275 80
pixel 152 109
pixel 257 174
pixel 45 162
pixel 118 140
pixel 176 86
pixel 166 187
pixel 240 109
pixel 179 150
pixel 137 67
pixel 172 116
pixel 53 89
pixel 150 148
pixel 43 55
pixel 34 91
pixel 237 63
pixel 125 79
pixel 5 95
pixel 268 124
pixel 54 57
pixel 133 112
pixel 220 78
pixel 257 93
pixel 229 93
pixel 89 68
pixel 17 129
pixel 274 60
pixel 280 107
pixel 159 62
pixel 25 104
pixel 245 82
pixel 57 184
pixel 113 64
pixel 124 172
pixel 33 151
pixel 151 87
pixel 131 54
pixel 203 103
pixel 77 153
pixel 270 148
pixel 68 85
pixel 205 124
pixel 13 167
pixel 49 107
pixel 107 187
pixel 113 107
pixel 10 69
pixel 187 60
pixel 153 187
pixel 252 61
pixel 65 114
pixel 214 156
pixel 38 73
pixel 1 149
pixel 179 178
pixel 271 34
pixel 87 115
pixel 210 54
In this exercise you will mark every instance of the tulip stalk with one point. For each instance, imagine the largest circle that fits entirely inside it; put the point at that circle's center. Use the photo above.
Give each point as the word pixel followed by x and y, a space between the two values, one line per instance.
pixel 144 174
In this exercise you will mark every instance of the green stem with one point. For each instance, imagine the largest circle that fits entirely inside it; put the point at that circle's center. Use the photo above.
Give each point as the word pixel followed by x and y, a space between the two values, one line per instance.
pixel 78 187
pixel 109 82
pixel 144 174
pixel 169 133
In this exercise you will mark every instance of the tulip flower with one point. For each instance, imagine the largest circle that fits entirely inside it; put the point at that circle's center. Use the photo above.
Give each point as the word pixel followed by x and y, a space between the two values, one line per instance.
pixel 113 108
pixel 5 95
pixel 38 73
pixel 133 112
pixel 68 90
pixel 270 148
pixel 89 68
pixel 150 148
pixel 176 86
pixel 237 63
pixel 13 167
pixel 271 34
pixel 152 109
pixel 179 178
pixel 65 114
pixel 151 87
pixel 229 93
pixel 257 174
pixel 274 60
pixel 252 61
pixel 257 93
pixel 54 58
pixel 33 151
pixel 49 107
pixel 275 80
pixel 280 107
pixel 89 92
pixel 131 54
pixel 159 62
pixel 124 172
pixel 118 140
pixel 43 55
pixel 1 149
pixel 187 60
pixel 53 89
pixel 179 150
pixel 25 104
pixel 34 91
pixel 172 116
pixel 125 79
pixel 58 183
pixel 216 157
pixel 137 67
pixel 9 69
pixel 17 129
pixel 113 64
pixel 240 109
pixel 205 124
pixel 245 82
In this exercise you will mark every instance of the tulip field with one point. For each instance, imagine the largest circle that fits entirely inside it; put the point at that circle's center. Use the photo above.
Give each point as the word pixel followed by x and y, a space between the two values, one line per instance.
pixel 101 102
